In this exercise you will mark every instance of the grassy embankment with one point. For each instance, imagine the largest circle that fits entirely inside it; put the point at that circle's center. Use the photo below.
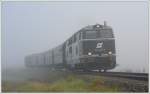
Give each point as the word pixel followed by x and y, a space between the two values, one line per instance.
pixel 61 82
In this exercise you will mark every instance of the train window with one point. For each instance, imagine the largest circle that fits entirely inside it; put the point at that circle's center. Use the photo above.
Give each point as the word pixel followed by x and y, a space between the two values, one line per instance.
pixel 66 53
pixel 67 43
pixel 80 36
pixel 84 35
pixel 77 36
pixel 90 35
pixel 106 33
pixel 70 50
pixel 74 38
pixel 76 50
pixel 70 41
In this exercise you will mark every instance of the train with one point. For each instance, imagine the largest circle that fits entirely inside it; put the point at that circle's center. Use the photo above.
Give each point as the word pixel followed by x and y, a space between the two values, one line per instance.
pixel 90 48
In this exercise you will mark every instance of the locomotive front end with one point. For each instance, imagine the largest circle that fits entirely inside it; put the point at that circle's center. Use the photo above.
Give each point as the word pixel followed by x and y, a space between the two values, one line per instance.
pixel 98 48
pixel 98 54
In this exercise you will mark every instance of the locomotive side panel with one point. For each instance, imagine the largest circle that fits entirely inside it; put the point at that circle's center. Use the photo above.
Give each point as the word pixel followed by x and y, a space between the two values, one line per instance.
pixel 72 50
pixel 75 50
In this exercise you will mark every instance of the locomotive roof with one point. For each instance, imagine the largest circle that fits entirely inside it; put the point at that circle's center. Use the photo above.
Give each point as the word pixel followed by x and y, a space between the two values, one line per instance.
pixel 93 27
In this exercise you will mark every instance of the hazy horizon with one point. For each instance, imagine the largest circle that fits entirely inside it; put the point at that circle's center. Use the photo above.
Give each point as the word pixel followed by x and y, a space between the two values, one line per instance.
pixel 33 27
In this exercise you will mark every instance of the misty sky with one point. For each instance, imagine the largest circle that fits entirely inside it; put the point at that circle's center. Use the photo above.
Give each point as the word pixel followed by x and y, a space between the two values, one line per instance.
pixel 32 27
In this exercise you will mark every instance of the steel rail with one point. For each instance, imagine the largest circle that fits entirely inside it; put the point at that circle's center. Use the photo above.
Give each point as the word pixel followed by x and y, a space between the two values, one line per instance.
pixel 135 76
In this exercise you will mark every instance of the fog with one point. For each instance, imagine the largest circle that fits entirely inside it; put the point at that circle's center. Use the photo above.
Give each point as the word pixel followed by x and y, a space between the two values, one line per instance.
pixel 32 27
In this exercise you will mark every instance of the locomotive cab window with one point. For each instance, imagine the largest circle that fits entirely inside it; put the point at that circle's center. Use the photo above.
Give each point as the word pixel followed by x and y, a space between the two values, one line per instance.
pixel 106 33
pixel 90 35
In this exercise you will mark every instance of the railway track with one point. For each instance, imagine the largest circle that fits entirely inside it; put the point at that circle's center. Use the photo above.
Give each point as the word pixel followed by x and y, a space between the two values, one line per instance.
pixel 135 76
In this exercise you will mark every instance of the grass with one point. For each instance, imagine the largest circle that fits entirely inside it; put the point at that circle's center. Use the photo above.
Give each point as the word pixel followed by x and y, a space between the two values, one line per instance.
pixel 70 83
pixel 74 84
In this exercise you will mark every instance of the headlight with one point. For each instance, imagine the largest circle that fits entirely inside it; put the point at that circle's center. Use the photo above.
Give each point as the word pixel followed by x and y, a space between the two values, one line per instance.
pixel 110 52
pixel 89 53
pixel 97 26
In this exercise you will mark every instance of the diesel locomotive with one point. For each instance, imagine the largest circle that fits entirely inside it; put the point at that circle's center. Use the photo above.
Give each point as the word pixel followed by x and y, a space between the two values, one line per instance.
pixel 91 48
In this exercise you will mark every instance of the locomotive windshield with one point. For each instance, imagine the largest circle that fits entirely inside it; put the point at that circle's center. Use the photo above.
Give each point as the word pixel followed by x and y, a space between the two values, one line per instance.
pixel 90 35
pixel 104 33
